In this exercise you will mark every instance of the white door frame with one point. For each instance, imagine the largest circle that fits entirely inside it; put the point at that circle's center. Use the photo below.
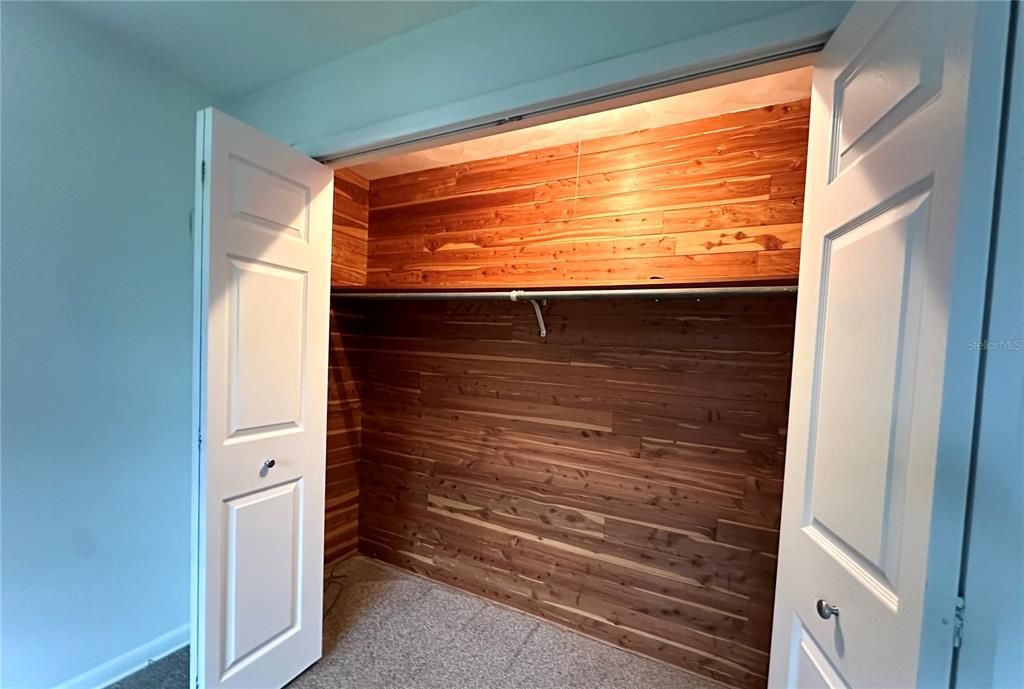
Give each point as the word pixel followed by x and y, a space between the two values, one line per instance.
pixel 994 545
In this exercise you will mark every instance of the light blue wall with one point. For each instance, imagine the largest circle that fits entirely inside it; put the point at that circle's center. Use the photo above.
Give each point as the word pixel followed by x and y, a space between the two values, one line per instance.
pixel 97 159
pixel 993 652
pixel 507 55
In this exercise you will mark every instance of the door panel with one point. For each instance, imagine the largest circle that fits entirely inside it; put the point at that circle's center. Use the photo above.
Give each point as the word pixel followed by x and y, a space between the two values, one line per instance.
pixel 263 556
pixel 894 75
pixel 856 495
pixel 262 305
pixel 813 668
pixel 903 132
pixel 268 200
pixel 266 345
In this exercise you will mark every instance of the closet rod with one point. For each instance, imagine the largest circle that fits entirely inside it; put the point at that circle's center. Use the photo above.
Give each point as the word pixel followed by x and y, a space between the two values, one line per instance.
pixel 534 295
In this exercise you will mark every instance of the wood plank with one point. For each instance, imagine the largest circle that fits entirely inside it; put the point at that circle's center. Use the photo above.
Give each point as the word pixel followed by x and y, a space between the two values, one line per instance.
pixel 750 536
pixel 607 250
pixel 677 270
pixel 611 227
pixel 424 184
pixel 734 215
pixel 782 262
pixel 787 185
pixel 350 235
pixel 763 161
pixel 344 438
pixel 762 238
pixel 392 222
pixel 714 143
pixel 744 119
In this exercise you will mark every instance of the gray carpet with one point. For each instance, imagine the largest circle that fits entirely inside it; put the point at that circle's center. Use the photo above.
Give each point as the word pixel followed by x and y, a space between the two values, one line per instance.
pixel 386 629
pixel 170 672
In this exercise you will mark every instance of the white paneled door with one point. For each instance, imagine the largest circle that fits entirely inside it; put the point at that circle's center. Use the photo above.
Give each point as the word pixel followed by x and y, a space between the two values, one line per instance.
pixel 262 272
pixel 900 184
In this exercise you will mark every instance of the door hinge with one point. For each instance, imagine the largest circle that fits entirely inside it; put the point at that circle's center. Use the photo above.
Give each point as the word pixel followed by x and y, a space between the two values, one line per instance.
pixel 202 171
pixel 958 622
pixel 199 440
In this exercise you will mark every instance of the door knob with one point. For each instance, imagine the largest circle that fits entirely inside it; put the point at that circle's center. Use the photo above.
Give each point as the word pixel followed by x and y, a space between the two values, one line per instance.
pixel 269 463
pixel 826 609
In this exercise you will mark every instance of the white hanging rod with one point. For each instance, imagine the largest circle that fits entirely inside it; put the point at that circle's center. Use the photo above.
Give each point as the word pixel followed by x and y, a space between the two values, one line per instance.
pixel 533 295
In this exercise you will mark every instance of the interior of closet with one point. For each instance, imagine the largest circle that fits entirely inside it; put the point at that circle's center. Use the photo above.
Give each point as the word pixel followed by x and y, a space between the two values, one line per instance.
pixel 620 474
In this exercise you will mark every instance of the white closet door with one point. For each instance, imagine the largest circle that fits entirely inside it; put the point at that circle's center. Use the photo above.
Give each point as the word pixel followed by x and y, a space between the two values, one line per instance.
pixel 263 252
pixel 901 167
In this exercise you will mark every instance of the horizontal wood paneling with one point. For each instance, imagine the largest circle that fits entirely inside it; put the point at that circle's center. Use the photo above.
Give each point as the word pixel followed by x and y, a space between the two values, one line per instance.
pixel 621 476
pixel 351 217
pixel 693 202
pixel 344 428
pixel 348 269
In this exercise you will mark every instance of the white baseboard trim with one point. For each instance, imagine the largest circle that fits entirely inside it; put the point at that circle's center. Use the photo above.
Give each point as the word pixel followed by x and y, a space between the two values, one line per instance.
pixel 127 663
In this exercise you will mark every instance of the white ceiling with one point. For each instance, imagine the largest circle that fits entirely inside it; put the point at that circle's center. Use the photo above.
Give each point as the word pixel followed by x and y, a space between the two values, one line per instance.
pixel 231 48
pixel 782 87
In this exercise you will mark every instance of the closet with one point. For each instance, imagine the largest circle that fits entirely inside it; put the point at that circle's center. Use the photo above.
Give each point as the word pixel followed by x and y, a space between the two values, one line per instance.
pixel 621 474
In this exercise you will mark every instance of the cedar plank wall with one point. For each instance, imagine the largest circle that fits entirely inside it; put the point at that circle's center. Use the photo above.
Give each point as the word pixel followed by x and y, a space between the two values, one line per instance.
pixel 621 476
pixel 341 508
pixel 351 211
pixel 348 269
pixel 712 200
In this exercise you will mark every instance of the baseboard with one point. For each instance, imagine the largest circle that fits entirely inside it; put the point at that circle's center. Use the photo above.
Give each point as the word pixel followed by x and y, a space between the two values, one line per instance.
pixel 127 663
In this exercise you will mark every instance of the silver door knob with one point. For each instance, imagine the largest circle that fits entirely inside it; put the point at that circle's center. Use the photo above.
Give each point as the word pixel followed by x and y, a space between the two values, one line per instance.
pixel 269 463
pixel 826 609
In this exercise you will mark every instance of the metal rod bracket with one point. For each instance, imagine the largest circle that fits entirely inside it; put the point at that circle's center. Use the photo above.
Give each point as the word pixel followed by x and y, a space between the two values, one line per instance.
pixel 540 318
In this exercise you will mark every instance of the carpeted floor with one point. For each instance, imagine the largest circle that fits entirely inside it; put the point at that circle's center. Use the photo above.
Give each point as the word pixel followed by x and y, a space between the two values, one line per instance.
pixel 170 672
pixel 386 629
